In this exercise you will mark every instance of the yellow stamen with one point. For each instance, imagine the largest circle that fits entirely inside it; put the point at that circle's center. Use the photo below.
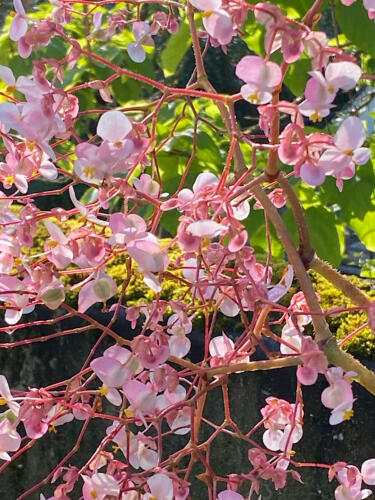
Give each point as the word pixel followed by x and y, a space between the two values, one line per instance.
pixel 115 448
pixel 31 145
pixel 18 261
pixel 12 13
pixel 207 14
pixel 348 414
pixel 94 494
pixel 89 172
pixel 330 89
pixel 9 180
pixel 52 243
pixel 129 412
pixel 118 144
pixel 254 98
pixel 316 117
pixel 103 390
pixel 52 428
pixel 3 401
pixel 11 89
pixel 349 152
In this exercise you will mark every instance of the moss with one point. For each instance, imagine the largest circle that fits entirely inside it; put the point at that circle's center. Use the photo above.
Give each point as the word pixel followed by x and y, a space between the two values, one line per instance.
pixel 362 344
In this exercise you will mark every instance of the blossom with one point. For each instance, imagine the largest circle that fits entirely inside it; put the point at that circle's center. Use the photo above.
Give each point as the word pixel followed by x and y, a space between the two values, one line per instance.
pixel 340 159
pixel 339 395
pixel 161 488
pixel 141 32
pixel 10 440
pixel 321 89
pixel 18 27
pixel 261 77
pixel 217 22
pixel 6 396
pixel 113 368
pixel 100 289
pixel 100 486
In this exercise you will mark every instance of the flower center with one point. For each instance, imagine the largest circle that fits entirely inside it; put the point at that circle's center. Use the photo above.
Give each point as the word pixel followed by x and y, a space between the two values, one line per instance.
pixel 94 493
pixel 103 390
pixel 349 152
pixel 3 401
pixel 9 180
pixel 316 117
pixel 89 172
pixel 254 98
pixel 348 414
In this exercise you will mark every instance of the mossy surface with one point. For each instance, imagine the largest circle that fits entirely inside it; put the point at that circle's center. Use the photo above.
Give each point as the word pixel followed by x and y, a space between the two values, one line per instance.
pixel 343 324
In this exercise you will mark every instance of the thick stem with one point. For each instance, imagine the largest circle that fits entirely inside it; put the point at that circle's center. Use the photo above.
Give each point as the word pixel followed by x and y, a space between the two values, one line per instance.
pixel 339 281
pixel 306 250
pixel 322 332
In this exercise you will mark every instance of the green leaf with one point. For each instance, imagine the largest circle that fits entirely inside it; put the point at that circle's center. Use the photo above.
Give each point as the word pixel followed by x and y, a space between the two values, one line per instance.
pixel 175 49
pixel 297 76
pixel 324 235
pixel 365 229
pixel 356 25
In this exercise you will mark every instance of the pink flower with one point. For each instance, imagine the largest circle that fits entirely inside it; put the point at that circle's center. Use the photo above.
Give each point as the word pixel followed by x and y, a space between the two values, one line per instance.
pixel 100 486
pixel 339 395
pixel 58 251
pixel 341 159
pixel 279 34
pixel 10 440
pixel 161 488
pixel 321 90
pixel 18 27
pixel 100 289
pixel 113 368
pixel 261 78
pixel 141 32
pixel 229 495
pixel 141 398
pixel 6 396
pixel 217 22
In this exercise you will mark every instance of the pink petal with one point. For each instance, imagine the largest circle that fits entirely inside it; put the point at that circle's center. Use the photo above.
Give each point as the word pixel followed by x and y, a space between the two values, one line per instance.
pixel 219 346
pixel 206 5
pixel 219 25
pixel 272 439
pixel 18 7
pixel 6 74
pixel 361 156
pixel 238 242
pixel 18 28
pixel 368 471
pixel 312 174
pixel 229 308
pixel 343 75
pixel 254 69
pixel 161 486
pixel 204 179
pixel 351 134
pixel 113 126
pixel 136 52
pixel 206 228
pixel 251 93
pixel 148 255
pixel 307 375
pixel 229 495
pixel 179 346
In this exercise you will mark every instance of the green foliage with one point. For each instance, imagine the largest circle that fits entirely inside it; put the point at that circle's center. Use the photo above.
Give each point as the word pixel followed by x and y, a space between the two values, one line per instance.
pixel 356 25
pixel 175 49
